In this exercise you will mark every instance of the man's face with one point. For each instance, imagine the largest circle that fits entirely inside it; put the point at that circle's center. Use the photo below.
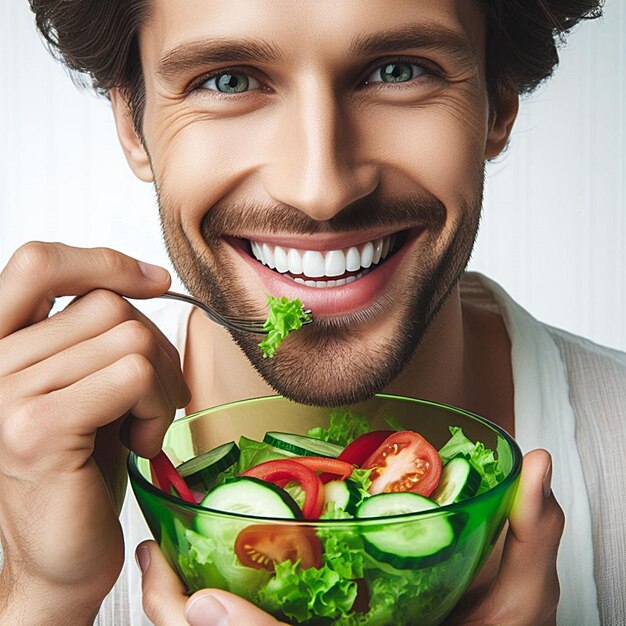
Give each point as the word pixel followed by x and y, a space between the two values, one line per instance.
pixel 327 151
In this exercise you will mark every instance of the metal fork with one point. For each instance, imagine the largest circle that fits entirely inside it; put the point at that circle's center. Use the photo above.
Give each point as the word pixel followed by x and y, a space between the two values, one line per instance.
pixel 234 323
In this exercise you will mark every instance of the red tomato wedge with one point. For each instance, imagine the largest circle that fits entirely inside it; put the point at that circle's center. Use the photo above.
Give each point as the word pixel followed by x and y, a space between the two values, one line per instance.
pixel 335 467
pixel 166 477
pixel 263 545
pixel 405 461
pixel 284 471
pixel 359 450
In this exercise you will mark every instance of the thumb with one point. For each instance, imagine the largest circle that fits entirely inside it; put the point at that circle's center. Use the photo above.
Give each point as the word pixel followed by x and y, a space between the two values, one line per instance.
pixel 527 576
pixel 162 591
pixel 213 607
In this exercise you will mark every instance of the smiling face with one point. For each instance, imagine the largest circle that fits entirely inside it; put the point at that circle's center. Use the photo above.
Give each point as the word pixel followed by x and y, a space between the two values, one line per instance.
pixel 331 152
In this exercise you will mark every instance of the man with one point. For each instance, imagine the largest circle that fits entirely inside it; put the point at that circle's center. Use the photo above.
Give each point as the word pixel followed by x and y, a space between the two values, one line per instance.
pixel 317 128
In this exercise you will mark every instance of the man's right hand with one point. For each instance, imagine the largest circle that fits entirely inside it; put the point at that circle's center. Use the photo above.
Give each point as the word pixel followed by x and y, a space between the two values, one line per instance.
pixel 68 383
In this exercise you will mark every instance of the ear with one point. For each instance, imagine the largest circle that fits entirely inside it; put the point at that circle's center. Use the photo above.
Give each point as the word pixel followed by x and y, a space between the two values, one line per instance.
pixel 132 145
pixel 503 115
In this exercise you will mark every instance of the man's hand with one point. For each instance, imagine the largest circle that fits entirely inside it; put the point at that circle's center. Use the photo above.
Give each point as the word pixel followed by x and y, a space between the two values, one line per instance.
pixel 165 602
pixel 68 383
pixel 518 586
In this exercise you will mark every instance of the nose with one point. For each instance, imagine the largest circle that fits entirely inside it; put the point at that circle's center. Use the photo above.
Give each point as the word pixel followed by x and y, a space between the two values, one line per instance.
pixel 316 166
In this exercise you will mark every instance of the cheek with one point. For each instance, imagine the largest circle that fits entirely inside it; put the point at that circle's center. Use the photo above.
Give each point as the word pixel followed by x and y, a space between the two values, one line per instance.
pixel 200 161
pixel 438 147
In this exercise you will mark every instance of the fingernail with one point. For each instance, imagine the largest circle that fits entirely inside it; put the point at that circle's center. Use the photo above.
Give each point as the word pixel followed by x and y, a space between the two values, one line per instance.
pixel 142 555
pixel 206 610
pixel 547 481
pixel 153 272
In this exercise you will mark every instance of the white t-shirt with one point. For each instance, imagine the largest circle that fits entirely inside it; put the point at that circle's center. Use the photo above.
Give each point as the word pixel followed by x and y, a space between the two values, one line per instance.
pixel 570 398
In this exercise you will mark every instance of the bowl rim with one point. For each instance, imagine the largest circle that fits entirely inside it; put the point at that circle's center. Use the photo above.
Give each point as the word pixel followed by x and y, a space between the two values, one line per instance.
pixel 138 478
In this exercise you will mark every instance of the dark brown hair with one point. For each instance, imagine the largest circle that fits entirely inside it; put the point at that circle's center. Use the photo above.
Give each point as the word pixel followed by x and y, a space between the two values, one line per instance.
pixel 97 41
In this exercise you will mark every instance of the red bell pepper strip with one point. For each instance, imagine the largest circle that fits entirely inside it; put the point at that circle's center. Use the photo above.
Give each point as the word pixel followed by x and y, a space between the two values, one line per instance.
pixel 284 471
pixel 168 478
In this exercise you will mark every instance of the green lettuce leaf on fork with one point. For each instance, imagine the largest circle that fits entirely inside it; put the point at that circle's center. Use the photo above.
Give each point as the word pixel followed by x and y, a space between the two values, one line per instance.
pixel 284 317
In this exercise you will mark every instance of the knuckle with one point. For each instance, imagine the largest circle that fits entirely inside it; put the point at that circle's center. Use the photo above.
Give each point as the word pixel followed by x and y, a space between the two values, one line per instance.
pixel 136 337
pixel 18 434
pixel 110 306
pixel 33 258
pixel 112 262
pixel 138 370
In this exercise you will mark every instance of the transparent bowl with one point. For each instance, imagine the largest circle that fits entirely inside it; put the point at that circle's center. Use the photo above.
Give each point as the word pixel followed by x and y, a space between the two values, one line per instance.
pixel 387 594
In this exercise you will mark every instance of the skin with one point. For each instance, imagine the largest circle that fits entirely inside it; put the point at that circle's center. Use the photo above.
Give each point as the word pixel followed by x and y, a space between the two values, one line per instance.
pixel 314 147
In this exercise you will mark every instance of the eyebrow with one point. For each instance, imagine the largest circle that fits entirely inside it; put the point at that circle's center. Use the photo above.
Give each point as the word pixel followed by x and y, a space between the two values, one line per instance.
pixel 190 55
pixel 208 52
pixel 425 36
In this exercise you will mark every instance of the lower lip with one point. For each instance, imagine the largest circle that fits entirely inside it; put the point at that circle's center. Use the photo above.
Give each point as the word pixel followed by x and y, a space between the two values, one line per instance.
pixel 331 301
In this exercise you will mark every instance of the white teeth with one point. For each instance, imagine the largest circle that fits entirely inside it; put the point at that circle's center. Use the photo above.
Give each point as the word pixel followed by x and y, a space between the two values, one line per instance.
pixel 313 264
pixel 378 250
pixel 367 254
pixel 386 245
pixel 353 260
pixel 323 264
pixel 280 258
pixel 335 263
pixel 268 255
pixel 295 261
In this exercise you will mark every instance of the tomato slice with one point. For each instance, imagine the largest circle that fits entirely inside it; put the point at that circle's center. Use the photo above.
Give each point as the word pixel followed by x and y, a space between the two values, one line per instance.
pixel 359 450
pixel 263 545
pixel 284 471
pixel 405 461
pixel 166 477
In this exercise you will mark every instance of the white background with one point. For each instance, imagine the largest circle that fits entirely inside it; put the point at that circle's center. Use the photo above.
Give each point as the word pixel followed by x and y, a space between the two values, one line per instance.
pixel 554 226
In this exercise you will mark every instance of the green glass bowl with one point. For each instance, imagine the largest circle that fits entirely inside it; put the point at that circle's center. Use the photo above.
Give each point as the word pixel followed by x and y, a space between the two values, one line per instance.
pixel 394 596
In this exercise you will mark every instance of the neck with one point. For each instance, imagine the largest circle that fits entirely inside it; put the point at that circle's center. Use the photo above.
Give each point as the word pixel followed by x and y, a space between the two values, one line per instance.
pixel 463 360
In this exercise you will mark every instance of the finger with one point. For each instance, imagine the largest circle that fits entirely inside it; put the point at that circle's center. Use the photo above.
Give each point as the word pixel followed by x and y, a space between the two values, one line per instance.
pixel 40 272
pixel 210 607
pixel 68 418
pixel 96 313
pixel 527 584
pixel 163 594
pixel 82 360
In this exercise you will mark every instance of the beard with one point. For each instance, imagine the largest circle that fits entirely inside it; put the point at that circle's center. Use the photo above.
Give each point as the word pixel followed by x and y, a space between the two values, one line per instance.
pixel 347 359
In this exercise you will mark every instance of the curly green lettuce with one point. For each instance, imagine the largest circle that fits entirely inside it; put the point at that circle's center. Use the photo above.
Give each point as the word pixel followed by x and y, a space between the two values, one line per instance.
pixel 285 316
pixel 344 427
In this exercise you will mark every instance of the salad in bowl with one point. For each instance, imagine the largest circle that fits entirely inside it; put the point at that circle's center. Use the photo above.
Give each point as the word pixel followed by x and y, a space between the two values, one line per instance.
pixel 380 513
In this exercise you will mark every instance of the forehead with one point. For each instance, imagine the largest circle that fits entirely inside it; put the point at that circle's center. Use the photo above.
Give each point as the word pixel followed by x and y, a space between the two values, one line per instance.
pixel 304 29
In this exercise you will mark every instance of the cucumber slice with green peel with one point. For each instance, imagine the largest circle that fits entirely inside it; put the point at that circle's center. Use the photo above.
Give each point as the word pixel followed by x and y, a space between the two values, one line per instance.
pixel 459 481
pixel 343 493
pixel 413 544
pixel 251 496
pixel 200 472
pixel 301 445
pixel 246 496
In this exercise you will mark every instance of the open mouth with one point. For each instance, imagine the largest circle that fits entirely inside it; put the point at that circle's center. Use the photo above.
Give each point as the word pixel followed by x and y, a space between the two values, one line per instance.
pixel 327 268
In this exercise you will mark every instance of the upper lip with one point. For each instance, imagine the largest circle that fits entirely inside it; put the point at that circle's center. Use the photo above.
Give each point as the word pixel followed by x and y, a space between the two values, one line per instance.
pixel 327 241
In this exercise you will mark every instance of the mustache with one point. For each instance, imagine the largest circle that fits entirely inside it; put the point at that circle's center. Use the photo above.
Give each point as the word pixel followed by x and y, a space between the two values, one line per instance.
pixel 233 219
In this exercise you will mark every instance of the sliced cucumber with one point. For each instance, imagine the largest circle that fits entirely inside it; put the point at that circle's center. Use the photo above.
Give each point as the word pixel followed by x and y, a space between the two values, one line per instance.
pixel 251 496
pixel 200 472
pixel 301 445
pixel 406 545
pixel 459 481
pixel 343 493
pixel 247 496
